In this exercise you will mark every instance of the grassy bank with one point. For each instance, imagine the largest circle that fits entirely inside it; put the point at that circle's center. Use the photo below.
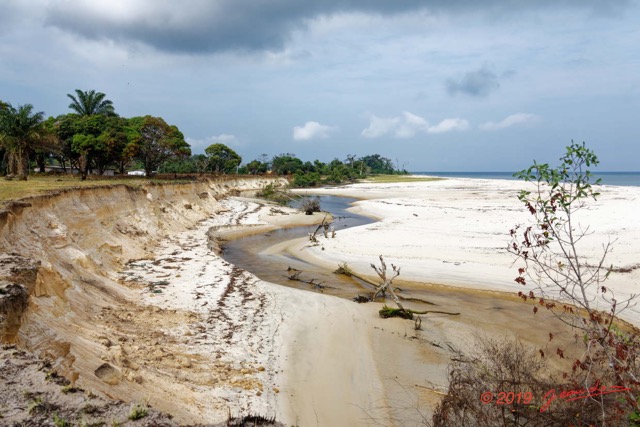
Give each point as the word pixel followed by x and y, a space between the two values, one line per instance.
pixel 41 184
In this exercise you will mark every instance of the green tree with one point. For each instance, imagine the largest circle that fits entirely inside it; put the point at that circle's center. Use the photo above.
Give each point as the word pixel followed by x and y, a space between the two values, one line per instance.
pixel 88 103
pixel 103 142
pixel 378 164
pixel 195 164
pixel 256 166
pixel 21 133
pixel 153 141
pixel 222 159
pixel 285 164
pixel 82 145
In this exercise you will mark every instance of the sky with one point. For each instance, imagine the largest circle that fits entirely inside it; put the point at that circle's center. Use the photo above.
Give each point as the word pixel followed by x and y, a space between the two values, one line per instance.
pixel 434 85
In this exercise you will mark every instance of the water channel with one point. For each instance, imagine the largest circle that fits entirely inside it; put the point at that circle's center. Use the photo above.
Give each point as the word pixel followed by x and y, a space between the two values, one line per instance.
pixel 250 253
pixel 496 312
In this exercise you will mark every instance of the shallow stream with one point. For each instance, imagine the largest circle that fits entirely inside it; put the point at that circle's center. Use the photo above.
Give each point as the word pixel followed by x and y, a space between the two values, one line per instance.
pixel 494 313
pixel 249 254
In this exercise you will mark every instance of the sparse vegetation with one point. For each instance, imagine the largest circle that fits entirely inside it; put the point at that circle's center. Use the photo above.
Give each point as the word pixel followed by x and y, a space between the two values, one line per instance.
pixel 310 205
pixel 600 387
pixel 275 192
pixel 387 312
pixel 138 411
pixel 60 422
pixel 35 404
pixel 69 389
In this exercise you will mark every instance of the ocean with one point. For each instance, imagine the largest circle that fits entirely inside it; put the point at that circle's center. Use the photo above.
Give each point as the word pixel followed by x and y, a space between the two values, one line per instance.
pixel 631 179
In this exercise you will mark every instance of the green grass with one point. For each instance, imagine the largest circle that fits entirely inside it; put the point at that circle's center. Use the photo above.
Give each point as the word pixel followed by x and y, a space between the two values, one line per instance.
pixel 399 178
pixel 37 185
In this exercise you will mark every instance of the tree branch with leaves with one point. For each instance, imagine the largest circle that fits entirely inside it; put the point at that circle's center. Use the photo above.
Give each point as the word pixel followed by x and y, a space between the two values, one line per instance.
pixel 562 279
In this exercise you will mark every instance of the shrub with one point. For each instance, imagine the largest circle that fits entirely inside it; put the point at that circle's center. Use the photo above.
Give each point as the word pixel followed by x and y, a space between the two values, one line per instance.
pixel 508 383
pixel 310 205
pixel 138 411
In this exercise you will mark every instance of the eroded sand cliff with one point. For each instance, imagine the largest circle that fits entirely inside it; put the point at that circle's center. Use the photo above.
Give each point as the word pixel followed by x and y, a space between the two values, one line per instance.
pixel 65 250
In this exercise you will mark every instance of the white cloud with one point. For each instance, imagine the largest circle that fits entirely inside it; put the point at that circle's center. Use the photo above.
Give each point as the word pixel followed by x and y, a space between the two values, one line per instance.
pixel 409 125
pixel 512 120
pixel 311 130
pixel 201 144
pixel 448 125
pixel 379 126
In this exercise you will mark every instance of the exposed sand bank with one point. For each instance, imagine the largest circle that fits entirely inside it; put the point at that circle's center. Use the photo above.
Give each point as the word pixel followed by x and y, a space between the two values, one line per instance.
pixel 455 232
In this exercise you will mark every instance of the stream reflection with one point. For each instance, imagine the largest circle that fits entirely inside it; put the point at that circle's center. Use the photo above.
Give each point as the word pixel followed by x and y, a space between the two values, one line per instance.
pixel 249 254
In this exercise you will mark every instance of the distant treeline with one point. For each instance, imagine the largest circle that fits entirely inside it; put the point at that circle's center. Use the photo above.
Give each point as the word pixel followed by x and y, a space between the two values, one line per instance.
pixel 94 139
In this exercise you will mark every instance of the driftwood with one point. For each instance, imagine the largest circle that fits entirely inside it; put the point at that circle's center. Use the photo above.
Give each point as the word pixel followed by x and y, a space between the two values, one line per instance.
pixel 386 286
pixel 325 227
pixel 295 275
pixel 344 269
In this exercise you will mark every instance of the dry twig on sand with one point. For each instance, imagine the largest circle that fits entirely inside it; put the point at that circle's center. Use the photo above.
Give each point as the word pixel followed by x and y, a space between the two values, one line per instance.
pixel 386 286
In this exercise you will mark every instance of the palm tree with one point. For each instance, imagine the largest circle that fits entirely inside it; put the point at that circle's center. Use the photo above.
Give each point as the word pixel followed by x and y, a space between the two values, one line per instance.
pixel 90 103
pixel 21 132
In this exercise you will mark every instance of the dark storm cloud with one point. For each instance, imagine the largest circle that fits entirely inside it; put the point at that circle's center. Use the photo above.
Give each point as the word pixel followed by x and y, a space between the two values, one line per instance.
pixel 206 26
pixel 212 26
pixel 479 83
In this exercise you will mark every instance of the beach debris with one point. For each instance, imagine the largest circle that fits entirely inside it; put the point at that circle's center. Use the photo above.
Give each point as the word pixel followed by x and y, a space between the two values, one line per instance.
pixel 387 312
pixel 295 275
pixel 325 226
pixel 418 324
pixel 386 287
pixel 361 299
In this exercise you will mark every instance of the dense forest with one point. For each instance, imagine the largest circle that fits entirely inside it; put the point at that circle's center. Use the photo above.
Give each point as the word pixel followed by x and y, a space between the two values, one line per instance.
pixel 94 140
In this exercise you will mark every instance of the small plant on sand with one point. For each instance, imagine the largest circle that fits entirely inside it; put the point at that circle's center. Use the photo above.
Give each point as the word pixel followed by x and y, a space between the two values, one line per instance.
pixel 138 411
pixel 35 405
pixel 60 422
pixel 601 386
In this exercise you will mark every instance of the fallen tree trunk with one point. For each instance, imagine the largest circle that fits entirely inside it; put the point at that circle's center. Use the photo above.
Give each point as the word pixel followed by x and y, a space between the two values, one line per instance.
pixel 386 286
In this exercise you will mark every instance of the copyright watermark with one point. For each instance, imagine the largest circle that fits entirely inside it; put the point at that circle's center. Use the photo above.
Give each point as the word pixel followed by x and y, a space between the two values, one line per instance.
pixel 527 398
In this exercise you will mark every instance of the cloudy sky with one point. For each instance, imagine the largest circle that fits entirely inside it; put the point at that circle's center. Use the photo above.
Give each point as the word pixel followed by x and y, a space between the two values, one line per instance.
pixel 439 85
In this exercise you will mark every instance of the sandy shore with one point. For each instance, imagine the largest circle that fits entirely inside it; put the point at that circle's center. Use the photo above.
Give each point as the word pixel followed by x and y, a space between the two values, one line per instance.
pixel 301 357
pixel 455 232
pixel 310 359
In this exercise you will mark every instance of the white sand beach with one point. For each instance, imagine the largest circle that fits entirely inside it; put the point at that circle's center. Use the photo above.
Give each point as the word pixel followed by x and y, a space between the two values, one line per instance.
pixel 455 232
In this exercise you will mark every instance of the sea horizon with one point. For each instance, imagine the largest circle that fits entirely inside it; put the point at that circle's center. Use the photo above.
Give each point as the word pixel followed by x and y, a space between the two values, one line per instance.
pixel 627 179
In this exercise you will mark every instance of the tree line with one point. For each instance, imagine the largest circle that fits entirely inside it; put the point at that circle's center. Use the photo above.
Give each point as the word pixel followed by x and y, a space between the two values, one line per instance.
pixel 93 138
pixel 90 139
